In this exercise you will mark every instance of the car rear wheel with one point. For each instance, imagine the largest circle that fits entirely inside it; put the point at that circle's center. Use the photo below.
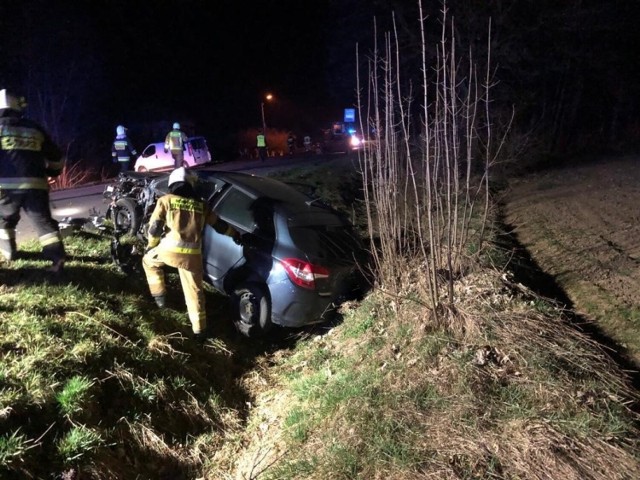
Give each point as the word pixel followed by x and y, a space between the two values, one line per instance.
pixel 126 216
pixel 253 310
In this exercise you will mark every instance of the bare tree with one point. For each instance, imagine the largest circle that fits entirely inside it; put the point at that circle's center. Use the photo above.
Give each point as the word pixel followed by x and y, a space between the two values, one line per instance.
pixel 424 196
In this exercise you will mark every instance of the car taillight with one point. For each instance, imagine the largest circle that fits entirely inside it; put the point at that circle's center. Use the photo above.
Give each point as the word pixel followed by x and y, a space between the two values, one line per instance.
pixel 303 274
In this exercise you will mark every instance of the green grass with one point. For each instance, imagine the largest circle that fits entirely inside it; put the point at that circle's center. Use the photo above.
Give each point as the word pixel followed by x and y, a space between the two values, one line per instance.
pixel 93 377
pixel 12 448
pixel 88 361
pixel 79 442
pixel 74 395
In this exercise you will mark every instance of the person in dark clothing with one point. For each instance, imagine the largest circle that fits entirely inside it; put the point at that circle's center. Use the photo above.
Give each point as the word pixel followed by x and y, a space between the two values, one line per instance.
pixel 122 149
pixel 291 143
pixel 28 158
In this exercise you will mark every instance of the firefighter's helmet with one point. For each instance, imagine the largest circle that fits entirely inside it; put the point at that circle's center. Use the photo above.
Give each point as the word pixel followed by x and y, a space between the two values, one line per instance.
pixel 120 130
pixel 180 175
pixel 176 126
pixel 11 102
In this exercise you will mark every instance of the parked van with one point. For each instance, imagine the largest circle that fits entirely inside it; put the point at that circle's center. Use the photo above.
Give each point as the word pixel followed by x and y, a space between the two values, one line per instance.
pixel 196 152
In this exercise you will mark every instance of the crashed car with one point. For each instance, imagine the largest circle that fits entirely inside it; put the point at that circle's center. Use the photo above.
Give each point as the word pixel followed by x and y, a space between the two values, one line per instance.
pixel 298 259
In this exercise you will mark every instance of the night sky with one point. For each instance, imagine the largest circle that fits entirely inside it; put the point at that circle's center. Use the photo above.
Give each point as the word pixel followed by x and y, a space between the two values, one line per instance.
pixel 204 63
pixel 571 67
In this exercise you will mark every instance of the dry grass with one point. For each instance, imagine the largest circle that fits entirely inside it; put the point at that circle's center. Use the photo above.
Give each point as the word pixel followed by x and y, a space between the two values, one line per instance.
pixel 517 393
pixel 77 174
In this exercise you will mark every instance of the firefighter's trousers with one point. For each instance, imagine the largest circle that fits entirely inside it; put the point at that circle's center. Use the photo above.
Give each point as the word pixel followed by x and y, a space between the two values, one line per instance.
pixel 191 280
pixel 35 203
pixel 178 158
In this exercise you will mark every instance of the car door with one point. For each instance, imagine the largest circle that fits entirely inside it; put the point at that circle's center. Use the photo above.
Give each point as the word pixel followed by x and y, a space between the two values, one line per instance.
pixel 221 253
pixel 155 158
pixel 198 151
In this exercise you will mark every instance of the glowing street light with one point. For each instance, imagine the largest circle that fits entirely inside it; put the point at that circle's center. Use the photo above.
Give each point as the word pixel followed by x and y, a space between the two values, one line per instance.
pixel 268 97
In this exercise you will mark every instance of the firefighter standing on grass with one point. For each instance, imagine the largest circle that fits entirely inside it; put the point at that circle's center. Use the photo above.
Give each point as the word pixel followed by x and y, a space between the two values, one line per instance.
pixel 28 157
pixel 175 239
pixel 122 150
pixel 175 142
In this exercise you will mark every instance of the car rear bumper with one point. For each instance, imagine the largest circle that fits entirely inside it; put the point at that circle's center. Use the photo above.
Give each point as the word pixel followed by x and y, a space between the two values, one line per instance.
pixel 293 306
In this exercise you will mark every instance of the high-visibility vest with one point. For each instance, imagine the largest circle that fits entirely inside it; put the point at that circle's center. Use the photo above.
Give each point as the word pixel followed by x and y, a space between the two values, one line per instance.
pixel 261 141
pixel 175 140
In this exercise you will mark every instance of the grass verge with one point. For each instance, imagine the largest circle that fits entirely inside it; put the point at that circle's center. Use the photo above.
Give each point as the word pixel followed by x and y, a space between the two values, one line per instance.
pixel 516 392
pixel 97 383
pixel 94 379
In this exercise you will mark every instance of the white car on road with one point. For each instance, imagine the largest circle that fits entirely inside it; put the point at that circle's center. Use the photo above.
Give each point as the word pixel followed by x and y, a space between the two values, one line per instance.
pixel 196 152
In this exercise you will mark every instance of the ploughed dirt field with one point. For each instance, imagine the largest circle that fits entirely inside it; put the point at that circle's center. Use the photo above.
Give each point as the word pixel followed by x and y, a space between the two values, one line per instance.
pixel 581 226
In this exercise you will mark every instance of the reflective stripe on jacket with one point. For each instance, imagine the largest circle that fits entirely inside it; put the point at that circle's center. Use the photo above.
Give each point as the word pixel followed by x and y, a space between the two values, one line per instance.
pixel 183 220
pixel 27 155
pixel 175 140
pixel 122 149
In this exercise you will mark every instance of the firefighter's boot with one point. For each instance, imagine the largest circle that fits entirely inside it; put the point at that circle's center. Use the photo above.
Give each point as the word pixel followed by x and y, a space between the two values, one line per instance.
pixel 8 247
pixel 160 300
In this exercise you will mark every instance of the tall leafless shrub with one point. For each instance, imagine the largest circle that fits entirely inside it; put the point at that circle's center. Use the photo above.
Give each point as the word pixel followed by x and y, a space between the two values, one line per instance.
pixel 427 199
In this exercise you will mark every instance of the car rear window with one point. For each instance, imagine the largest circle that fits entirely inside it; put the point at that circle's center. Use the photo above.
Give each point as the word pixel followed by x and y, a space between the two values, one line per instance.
pixel 197 143
pixel 334 240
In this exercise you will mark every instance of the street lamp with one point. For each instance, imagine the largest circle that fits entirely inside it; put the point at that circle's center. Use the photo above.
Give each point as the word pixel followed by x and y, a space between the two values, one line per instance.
pixel 267 97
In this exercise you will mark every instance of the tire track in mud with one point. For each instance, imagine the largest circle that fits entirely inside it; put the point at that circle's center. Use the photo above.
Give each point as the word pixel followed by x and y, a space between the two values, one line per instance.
pixel 581 225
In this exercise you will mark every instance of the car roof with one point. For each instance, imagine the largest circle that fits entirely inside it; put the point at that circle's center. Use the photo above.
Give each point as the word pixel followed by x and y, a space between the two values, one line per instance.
pixel 284 194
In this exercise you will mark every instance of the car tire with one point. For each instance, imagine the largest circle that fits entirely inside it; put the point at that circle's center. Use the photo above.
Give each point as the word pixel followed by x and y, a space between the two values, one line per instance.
pixel 126 216
pixel 252 310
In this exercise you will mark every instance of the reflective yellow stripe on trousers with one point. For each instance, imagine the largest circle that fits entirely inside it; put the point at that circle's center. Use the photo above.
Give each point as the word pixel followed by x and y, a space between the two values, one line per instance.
pixel 50 238
pixel 189 248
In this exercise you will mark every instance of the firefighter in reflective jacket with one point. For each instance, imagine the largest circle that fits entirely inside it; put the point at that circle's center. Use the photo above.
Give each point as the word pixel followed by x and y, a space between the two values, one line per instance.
pixel 175 239
pixel 175 141
pixel 122 150
pixel 28 157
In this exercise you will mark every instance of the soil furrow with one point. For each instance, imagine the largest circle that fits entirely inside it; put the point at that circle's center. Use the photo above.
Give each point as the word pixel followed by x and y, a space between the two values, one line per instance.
pixel 581 225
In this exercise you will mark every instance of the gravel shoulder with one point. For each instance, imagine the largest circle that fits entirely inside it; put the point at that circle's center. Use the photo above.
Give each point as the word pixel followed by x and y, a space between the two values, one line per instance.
pixel 581 225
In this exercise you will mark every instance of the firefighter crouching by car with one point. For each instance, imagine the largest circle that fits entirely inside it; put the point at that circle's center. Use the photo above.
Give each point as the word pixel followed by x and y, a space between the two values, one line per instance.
pixel 28 157
pixel 175 239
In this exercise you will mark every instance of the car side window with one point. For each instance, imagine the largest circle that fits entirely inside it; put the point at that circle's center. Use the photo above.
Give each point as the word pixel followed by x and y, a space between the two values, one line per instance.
pixel 149 151
pixel 235 208
pixel 207 188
